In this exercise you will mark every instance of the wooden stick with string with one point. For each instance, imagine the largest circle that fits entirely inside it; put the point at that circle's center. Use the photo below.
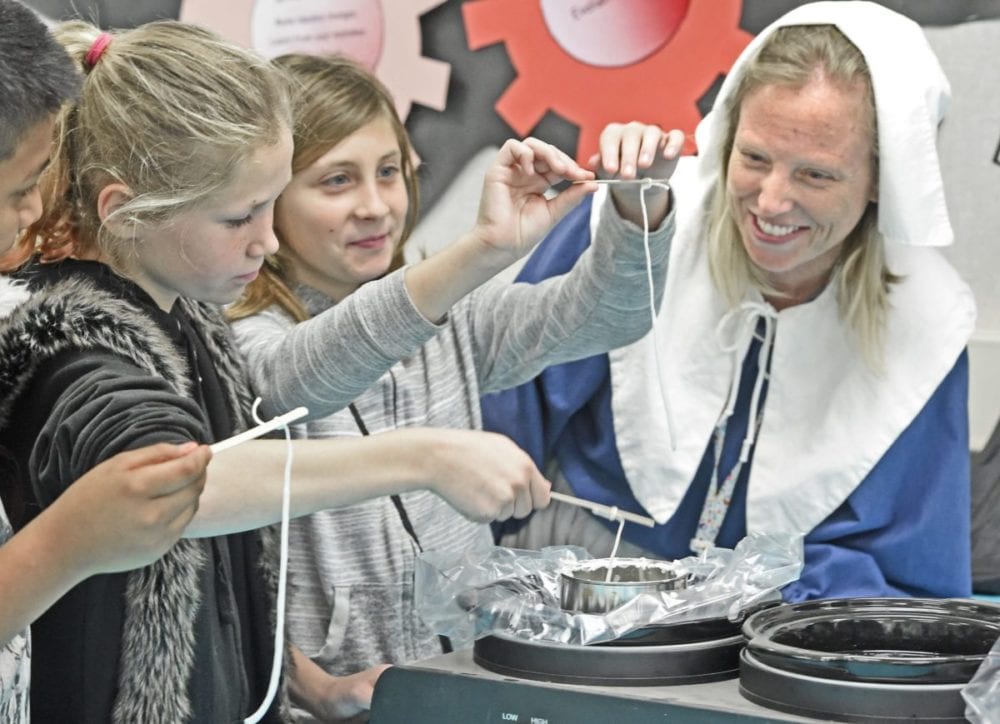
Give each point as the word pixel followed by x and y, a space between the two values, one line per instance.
pixel 261 429
pixel 649 181
pixel 605 511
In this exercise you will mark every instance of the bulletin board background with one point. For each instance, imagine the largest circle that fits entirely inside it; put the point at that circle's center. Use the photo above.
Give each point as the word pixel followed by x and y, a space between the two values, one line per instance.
pixel 467 75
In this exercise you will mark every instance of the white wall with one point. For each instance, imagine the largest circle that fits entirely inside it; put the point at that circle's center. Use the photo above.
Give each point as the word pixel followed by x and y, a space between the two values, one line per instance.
pixel 969 142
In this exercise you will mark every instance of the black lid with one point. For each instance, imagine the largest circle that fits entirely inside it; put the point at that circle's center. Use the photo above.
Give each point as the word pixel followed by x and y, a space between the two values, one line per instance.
pixel 916 640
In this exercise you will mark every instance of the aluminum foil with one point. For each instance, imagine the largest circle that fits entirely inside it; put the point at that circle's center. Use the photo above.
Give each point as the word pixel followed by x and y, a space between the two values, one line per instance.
pixel 492 589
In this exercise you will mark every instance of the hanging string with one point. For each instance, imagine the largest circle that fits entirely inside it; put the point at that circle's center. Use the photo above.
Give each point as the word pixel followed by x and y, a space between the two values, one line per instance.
pixel 614 548
pixel 286 495
pixel 647 184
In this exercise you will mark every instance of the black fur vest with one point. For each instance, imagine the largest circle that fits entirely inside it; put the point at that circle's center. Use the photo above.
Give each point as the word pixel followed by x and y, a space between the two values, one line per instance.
pixel 157 648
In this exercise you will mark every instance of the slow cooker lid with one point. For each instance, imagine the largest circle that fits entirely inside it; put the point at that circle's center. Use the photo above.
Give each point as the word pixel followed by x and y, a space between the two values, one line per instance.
pixel 876 639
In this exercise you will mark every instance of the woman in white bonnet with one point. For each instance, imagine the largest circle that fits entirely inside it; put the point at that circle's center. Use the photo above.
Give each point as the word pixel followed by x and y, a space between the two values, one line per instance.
pixel 801 295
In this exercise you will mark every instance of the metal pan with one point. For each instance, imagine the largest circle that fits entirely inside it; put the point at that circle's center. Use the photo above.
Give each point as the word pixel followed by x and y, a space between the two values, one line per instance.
pixel 584 587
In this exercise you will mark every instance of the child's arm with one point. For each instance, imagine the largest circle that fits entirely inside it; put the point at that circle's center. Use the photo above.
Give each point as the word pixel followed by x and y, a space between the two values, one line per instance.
pixel 604 300
pixel 485 476
pixel 123 514
pixel 106 405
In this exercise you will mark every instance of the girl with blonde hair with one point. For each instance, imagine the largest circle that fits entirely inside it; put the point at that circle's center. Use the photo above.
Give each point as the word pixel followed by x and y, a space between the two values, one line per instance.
pixel 157 209
pixel 129 509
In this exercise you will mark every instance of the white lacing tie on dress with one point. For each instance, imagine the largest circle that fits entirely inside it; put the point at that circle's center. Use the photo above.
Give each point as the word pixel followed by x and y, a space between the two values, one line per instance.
pixel 741 324
pixel 735 333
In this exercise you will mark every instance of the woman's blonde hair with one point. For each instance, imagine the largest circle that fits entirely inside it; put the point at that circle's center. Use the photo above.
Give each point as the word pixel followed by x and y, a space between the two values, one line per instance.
pixel 334 98
pixel 169 110
pixel 792 56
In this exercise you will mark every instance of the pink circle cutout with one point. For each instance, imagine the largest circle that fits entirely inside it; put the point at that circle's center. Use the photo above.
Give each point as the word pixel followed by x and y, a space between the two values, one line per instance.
pixel 613 33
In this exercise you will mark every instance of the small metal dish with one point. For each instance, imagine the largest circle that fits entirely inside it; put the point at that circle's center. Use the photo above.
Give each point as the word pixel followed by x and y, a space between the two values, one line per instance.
pixel 584 587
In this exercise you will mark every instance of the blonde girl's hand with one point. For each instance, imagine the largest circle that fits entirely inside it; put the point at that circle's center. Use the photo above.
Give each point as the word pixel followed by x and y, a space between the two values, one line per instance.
pixel 633 151
pixel 484 475
pixel 515 210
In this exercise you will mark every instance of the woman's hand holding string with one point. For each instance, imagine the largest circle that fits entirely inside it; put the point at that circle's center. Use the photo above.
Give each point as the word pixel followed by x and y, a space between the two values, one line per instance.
pixel 630 151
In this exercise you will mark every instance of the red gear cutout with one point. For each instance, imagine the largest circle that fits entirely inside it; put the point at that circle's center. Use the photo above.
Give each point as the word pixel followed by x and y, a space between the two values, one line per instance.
pixel 705 44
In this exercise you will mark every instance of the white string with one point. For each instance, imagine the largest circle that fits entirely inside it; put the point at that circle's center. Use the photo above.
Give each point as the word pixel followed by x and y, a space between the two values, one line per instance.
pixel 279 626
pixel 614 549
pixel 647 184
pixel 746 317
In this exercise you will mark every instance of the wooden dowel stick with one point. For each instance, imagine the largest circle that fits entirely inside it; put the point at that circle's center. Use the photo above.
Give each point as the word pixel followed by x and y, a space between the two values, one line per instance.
pixel 605 511
pixel 652 181
pixel 261 429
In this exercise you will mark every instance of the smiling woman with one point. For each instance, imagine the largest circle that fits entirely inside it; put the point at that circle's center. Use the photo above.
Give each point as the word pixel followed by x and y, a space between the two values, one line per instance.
pixel 812 345
pixel 799 179
pixel 826 162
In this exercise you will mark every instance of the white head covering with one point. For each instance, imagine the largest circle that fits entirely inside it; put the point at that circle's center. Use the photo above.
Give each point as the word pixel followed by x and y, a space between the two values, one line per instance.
pixel 911 98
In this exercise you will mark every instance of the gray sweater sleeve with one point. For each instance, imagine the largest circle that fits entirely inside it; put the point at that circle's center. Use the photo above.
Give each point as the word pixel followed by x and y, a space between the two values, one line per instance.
pixel 517 330
pixel 327 361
